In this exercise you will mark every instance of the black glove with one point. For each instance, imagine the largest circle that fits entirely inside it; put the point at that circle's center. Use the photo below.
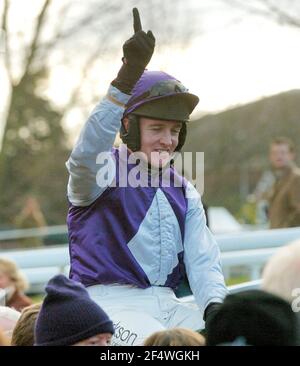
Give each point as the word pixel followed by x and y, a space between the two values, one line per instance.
pixel 137 52
pixel 210 312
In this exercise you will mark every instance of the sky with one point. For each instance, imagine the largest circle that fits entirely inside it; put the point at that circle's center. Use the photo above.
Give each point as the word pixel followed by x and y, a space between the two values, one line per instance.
pixel 227 66
pixel 242 64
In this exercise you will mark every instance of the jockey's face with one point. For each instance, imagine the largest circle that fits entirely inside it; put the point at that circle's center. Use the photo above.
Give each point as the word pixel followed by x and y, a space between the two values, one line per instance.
pixel 159 139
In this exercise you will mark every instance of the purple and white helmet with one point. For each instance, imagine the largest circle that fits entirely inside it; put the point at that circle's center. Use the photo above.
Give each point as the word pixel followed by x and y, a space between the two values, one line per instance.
pixel 160 96
pixel 155 89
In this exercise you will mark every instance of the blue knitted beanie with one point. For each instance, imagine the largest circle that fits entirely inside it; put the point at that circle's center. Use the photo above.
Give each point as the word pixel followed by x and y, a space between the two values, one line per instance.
pixel 68 315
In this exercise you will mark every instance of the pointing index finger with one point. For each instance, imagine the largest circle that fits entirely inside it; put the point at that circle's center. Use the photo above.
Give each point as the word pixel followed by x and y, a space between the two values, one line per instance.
pixel 137 26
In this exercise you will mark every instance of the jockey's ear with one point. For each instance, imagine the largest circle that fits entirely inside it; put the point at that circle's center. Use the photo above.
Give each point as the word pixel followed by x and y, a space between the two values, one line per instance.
pixel 125 122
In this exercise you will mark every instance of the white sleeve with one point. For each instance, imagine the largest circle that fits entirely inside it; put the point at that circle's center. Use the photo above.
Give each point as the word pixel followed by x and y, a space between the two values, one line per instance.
pixel 202 255
pixel 97 136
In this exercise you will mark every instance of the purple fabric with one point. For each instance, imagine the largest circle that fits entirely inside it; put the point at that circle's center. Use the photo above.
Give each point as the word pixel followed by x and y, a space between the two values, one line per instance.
pixel 99 233
pixel 146 81
pixel 179 205
pixel 177 274
pixel 177 199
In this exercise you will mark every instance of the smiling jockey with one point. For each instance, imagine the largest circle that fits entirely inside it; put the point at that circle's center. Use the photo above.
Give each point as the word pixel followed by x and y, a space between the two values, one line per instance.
pixel 132 245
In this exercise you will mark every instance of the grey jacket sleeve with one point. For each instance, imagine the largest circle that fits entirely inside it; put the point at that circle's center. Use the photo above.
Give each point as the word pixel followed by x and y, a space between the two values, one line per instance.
pixel 97 136
pixel 202 255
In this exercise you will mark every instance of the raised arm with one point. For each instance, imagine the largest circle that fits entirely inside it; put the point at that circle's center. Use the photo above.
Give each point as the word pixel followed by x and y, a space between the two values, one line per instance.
pixel 100 130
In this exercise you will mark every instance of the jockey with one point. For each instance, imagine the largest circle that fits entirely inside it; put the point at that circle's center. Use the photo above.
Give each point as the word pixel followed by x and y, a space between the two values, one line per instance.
pixel 131 241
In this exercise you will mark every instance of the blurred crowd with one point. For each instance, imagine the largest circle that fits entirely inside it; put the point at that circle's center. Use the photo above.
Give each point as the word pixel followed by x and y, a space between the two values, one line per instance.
pixel 277 194
pixel 67 316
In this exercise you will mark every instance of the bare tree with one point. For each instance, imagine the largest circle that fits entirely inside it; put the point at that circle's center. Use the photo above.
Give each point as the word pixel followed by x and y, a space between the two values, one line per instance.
pixel 89 30
pixel 79 34
pixel 284 12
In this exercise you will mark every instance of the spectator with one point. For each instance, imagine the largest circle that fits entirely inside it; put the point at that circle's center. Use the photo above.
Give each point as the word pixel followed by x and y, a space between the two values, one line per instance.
pixel 3 340
pixel 8 320
pixel 281 275
pixel 23 334
pixel 68 317
pixel 261 318
pixel 175 337
pixel 131 245
pixel 14 284
pixel 261 195
pixel 284 198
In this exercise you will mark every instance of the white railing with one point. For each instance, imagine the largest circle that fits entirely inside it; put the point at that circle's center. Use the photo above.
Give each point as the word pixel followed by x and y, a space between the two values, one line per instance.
pixel 251 285
pixel 33 233
pixel 257 239
pixel 250 249
pixel 241 240
pixel 39 265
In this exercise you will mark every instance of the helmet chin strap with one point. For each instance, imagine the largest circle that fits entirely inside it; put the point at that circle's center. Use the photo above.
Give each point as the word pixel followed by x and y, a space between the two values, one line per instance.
pixel 182 137
pixel 131 137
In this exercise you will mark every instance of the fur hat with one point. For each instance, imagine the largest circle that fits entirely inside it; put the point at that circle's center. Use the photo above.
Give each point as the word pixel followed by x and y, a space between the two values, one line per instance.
pixel 261 318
